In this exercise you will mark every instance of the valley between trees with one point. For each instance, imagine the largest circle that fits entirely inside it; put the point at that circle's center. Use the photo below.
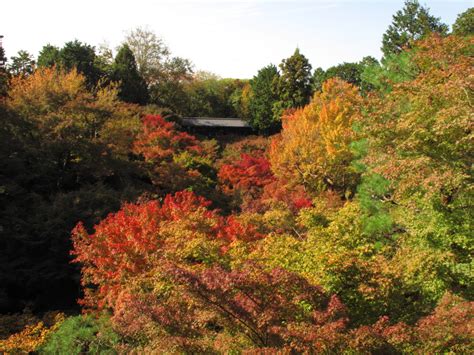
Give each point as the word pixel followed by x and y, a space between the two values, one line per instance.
pixel 343 224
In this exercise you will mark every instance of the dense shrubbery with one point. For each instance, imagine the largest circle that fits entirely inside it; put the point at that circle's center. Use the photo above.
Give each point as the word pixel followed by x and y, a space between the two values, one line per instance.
pixel 82 334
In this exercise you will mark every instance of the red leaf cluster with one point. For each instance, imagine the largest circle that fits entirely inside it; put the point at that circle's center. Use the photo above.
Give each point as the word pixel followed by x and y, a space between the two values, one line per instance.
pixel 295 197
pixel 129 243
pixel 249 174
pixel 160 140
pixel 252 177
pixel 231 230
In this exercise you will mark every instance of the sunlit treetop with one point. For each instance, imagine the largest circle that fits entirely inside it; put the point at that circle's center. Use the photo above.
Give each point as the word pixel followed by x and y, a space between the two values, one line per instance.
pixel 314 146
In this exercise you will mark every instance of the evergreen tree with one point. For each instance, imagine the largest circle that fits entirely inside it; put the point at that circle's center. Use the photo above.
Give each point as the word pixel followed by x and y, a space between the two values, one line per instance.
pixel 132 86
pixel 349 72
pixel 168 87
pixel 464 25
pixel 104 59
pixel 22 64
pixel 366 64
pixel 319 77
pixel 74 54
pixel 3 74
pixel 3 59
pixel 48 56
pixel 368 61
pixel 263 99
pixel 410 24
pixel 81 56
pixel 293 86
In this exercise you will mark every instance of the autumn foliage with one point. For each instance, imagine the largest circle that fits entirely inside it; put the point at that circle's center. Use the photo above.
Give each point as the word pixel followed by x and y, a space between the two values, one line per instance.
pixel 159 140
pixel 34 334
pixel 271 308
pixel 132 241
pixel 174 160
pixel 314 146
pixel 250 179
pixel 249 173
pixel 349 232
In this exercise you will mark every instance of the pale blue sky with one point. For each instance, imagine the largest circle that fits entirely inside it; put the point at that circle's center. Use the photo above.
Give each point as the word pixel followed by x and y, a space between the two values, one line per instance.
pixel 229 38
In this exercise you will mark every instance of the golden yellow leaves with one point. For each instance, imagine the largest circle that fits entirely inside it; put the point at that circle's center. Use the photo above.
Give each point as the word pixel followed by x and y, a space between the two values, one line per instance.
pixel 314 146
pixel 31 337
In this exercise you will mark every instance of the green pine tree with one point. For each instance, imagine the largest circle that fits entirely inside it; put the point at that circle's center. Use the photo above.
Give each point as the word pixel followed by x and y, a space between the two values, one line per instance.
pixel 263 99
pixel 293 86
pixel 411 23
pixel 132 86
pixel 22 64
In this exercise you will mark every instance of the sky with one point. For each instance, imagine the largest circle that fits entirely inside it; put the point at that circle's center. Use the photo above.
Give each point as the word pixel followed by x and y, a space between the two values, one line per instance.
pixel 229 38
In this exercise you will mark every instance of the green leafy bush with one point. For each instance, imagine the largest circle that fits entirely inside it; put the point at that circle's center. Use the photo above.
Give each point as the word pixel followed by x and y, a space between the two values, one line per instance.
pixel 83 334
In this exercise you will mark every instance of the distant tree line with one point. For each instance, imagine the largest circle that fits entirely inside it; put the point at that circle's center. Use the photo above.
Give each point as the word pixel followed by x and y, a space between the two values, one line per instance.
pixel 292 86
pixel 147 73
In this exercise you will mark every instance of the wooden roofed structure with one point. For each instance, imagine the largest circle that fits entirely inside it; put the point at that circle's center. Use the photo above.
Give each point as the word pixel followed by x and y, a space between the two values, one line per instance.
pixel 216 125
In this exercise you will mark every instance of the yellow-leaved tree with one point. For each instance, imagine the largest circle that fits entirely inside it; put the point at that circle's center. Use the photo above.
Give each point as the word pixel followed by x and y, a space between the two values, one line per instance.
pixel 314 146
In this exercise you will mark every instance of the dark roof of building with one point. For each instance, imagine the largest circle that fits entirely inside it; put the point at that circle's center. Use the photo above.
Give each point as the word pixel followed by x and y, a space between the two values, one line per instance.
pixel 214 122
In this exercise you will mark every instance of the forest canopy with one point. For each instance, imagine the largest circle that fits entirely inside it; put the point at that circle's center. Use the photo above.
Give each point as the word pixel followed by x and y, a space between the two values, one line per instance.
pixel 342 224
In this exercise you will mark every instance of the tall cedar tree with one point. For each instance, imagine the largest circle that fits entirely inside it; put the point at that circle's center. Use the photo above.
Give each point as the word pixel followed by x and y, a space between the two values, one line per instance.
pixel 3 74
pixel 293 86
pixel 132 86
pixel 263 99
pixel 411 23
